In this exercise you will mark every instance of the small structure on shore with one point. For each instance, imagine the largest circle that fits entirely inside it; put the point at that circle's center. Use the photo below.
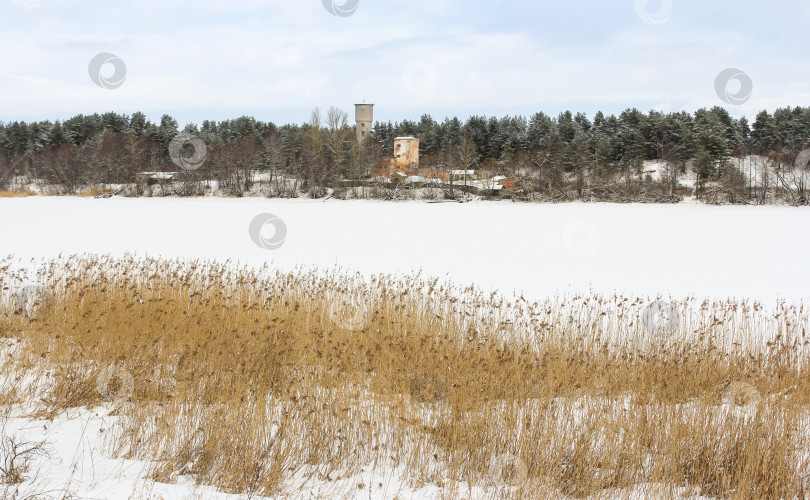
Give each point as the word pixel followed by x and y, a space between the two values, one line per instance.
pixel 152 178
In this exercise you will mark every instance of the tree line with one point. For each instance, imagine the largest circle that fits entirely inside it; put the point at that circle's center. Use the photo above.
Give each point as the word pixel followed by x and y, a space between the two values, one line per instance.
pixel 561 157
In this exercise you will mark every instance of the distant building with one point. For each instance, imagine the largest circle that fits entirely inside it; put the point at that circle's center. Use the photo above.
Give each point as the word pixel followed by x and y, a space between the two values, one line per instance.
pixel 364 118
pixel 406 153
pixel 151 178
pixel 403 167
pixel 505 183
pixel 461 175
pixel 405 161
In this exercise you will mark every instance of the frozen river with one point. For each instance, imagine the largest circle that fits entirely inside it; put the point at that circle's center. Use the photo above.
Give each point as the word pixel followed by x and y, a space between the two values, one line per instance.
pixel 539 249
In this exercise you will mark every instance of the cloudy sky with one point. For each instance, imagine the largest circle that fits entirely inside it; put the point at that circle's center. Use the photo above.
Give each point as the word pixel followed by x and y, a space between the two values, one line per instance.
pixel 278 60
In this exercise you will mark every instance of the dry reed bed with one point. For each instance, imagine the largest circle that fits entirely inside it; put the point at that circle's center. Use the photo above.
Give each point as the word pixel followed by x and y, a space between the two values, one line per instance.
pixel 259 381
pixel 16 194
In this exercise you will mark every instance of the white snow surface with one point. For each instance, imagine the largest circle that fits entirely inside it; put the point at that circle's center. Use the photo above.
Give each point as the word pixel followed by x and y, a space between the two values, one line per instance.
pixel 747 252
pixel 80 465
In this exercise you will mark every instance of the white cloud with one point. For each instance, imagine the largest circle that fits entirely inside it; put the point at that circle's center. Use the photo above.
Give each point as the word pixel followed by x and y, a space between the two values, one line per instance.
pixel 278 60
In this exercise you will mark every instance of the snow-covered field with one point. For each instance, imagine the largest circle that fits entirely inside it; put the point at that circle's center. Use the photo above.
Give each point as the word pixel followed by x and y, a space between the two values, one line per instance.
pixel 678 250
pixel 636 249
pixel 79 466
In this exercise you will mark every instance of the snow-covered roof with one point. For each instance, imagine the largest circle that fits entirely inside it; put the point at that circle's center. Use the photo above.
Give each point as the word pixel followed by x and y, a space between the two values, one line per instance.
pixel 410 137
pixel 158 175
pixel 462 172
pixel 415 179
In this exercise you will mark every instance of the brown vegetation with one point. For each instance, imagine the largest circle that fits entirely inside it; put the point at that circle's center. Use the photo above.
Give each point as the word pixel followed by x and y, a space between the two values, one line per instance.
pixel 254 382
pixel 16 194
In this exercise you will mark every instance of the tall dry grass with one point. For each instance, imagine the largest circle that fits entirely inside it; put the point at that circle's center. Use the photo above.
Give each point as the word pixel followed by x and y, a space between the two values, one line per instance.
pixel 266 382
pixel 16 194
